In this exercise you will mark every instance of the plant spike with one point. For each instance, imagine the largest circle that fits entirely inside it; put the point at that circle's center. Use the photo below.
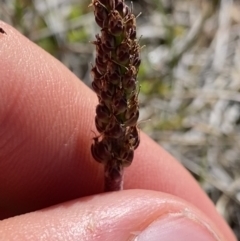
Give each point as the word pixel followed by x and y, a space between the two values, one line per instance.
pixel 115 83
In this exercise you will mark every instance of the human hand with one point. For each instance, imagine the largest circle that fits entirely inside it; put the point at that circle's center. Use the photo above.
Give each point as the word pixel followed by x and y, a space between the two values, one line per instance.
pixel 46 118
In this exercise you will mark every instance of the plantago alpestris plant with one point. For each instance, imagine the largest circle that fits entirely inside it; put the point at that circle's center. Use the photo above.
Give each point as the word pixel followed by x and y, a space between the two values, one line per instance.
pixel 115 83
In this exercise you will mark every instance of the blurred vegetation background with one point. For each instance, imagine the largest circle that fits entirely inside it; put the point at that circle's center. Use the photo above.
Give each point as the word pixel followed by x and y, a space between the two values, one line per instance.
pixel 189 77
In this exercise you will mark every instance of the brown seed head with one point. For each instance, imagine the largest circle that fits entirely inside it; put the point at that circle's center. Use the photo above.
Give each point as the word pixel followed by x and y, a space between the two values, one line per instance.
pixel 115 83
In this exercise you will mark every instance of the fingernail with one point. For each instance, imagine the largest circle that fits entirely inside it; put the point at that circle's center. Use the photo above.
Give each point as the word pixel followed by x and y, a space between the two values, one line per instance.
pixel 177 227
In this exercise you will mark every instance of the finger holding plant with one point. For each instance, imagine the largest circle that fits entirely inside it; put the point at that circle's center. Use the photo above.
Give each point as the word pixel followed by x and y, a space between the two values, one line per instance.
pixel 115 83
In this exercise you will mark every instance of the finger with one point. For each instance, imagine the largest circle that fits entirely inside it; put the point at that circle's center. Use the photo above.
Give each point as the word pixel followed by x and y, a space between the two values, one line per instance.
pixel 128 215
pixel 45 129
pixel 46 118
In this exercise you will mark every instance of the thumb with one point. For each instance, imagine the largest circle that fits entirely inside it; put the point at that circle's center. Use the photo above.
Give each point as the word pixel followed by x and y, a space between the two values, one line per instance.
pixel 127 215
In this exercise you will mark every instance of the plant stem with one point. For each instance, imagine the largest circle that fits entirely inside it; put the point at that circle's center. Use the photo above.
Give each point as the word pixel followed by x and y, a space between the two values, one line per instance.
pixel 113 178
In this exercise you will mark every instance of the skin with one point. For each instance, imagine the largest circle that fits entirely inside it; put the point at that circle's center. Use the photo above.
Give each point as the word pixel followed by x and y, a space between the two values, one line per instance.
pixel 46 129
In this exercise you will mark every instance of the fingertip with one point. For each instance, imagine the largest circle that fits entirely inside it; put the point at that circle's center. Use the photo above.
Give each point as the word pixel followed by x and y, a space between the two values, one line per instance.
pixel 127 215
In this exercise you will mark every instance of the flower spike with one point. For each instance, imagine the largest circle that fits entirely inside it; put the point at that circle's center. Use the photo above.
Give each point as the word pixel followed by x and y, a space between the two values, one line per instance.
pixel 115 83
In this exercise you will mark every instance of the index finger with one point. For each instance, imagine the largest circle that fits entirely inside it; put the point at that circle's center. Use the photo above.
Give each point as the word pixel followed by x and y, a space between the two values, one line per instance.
pixel 46 118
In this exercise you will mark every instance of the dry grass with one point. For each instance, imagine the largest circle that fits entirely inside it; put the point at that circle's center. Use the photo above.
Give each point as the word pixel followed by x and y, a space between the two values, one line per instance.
pixel 190 77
